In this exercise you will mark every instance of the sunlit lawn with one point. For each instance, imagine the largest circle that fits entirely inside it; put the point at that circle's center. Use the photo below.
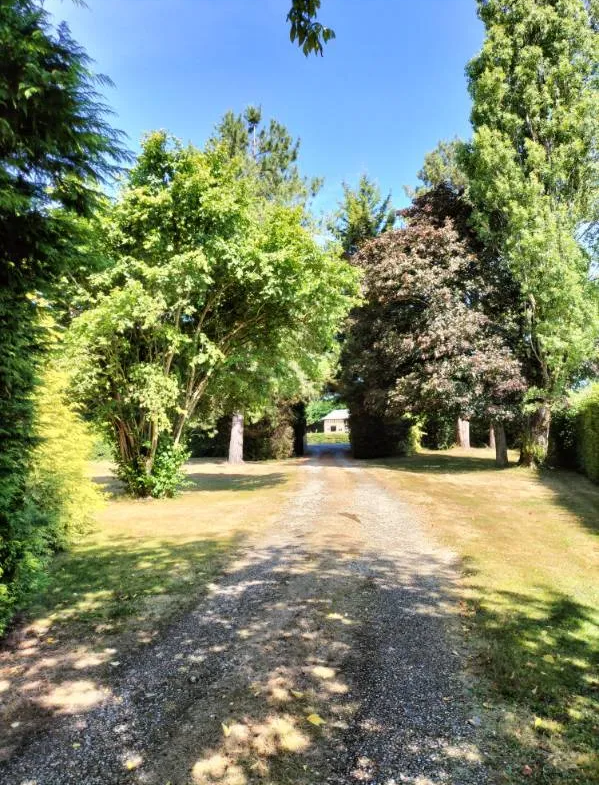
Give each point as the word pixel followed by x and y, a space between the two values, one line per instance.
pixel 143 563
pixel 528 543
pixel 146 557
pixel 327 438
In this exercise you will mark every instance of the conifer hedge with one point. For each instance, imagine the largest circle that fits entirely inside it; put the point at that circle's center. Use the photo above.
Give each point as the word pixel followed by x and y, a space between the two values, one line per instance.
pixel 575 434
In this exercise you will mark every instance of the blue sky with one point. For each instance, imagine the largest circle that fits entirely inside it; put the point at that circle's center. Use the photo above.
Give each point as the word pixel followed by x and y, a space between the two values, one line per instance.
pixel 387 89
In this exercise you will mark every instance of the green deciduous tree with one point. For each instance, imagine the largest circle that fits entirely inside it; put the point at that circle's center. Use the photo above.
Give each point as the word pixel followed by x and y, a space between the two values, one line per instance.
pixel 55 146
pixel 205 276
pixel 270 155
pixel 444 166
pixel 533 176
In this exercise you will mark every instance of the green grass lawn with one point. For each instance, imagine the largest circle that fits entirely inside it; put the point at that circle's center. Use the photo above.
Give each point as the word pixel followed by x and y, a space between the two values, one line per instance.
pixel 327 438
pixel 530 602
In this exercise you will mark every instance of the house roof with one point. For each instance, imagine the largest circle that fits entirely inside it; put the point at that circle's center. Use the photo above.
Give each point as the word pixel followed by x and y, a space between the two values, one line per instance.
pixel 337 414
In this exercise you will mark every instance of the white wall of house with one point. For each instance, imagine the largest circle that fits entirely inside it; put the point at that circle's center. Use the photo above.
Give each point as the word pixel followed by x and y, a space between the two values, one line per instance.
pixel 335 426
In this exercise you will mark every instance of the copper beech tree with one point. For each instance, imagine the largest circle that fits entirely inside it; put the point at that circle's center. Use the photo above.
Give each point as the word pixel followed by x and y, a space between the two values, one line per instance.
pixel 426 338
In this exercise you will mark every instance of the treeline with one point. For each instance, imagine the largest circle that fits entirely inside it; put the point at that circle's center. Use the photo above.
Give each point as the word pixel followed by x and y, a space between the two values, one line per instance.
pixel 484 302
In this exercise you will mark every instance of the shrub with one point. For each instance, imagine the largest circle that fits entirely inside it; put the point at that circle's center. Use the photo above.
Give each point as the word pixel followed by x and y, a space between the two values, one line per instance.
pixel 60 498
pixel 374 436
pixel 439 431
pixel 575 434
pixel 167 477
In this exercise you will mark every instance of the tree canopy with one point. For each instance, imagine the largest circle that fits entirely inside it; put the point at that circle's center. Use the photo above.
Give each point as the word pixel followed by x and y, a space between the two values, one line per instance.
pixel 362 214
pixel 534 179
pixel 423 341
pixel 269 153
pixel 56 149
pixel 204 276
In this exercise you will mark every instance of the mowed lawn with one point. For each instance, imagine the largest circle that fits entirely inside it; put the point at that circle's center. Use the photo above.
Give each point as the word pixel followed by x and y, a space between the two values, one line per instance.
pixel 529 599
pixel 144 562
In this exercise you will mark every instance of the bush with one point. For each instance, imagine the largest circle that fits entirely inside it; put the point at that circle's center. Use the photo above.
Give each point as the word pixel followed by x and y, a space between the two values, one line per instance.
pixel 439 431
pixel 587 433
pixel 374 436
pixel 167 477
pixel 59 500
pixel 574 439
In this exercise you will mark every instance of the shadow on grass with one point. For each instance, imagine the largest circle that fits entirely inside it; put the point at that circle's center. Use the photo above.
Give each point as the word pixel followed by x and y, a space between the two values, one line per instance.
pixel 223 694
pixel 234 482
pixel 574 493
pixel 539 655
pixel 100 604
pixel 203 481
pixel 438 463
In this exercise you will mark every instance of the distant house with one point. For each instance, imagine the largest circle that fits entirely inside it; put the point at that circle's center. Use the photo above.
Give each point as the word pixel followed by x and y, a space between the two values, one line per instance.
pixel 336 421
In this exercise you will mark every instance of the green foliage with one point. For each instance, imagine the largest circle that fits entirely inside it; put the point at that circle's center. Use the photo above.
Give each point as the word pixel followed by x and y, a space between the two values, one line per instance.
pixel 439 430
pixel 587 432
pixel 58 482
pixel 271 437
pixel 167 477
pixel 327 438
pixel 373 435
pixel 269 154
pixel 209 287
pixel 362 215
pixel 55 147
pixel 59 497
pixel 575 433
pixel 533 174
pixel 316 410
pixel 303 27
pixel 443 166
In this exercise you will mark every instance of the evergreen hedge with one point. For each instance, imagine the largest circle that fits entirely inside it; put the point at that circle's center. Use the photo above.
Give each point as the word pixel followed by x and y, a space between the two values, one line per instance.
pixel 58 496
pixel 575 434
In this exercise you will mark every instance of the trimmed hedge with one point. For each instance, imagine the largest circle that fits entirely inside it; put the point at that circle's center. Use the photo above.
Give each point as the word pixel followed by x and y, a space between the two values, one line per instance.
pixel 327 438
pixel 59 498
pixel 575 434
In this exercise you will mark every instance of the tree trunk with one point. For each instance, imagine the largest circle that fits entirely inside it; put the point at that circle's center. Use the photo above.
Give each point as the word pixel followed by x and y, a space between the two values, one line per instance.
pixel 492 443
pixel 236 441
pixel 500 443
pixel 535 439
pixel 463 433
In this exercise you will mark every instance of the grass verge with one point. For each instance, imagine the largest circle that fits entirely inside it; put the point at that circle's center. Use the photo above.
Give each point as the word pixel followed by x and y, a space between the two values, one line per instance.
pixel 117 588
pixel 530 600
pixel 327 438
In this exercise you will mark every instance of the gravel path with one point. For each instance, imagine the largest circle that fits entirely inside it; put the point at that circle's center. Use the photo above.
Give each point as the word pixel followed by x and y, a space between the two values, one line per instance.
pixel 326 654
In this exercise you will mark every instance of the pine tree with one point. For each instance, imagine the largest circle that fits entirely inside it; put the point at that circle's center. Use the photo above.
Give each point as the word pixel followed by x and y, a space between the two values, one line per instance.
pixel 362 215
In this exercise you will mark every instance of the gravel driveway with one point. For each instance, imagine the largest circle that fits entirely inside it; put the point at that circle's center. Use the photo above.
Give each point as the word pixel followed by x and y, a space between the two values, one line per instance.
pixel 328 653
